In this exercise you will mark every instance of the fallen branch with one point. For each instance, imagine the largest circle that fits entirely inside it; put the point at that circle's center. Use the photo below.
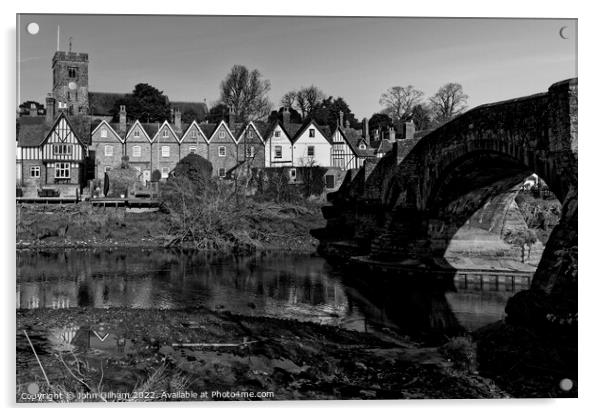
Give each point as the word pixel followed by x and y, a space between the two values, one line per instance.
pixel 37 358
pixel 216 345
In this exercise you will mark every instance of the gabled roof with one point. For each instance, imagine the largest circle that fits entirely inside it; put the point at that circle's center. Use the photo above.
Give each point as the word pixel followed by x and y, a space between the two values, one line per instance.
pixel 227 129
pixel 33 131
pixel 111 127
pixel 240 131
pixel 324 131
pixel 194 124
pixel 354 138
pixel 165 123
pixel 142 127
pixel 291 129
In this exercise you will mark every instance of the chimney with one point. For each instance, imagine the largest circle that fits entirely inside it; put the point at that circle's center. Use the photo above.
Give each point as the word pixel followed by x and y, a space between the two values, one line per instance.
pixel 122 120
pixel 33 110
pixel 391 134
pixel 178 120
pixel 408 130
pixel 341 119
pixel 231 118
pixel 347 124
pixel 286 116
pixel 171 116
pixel 366 129
pixel 50 103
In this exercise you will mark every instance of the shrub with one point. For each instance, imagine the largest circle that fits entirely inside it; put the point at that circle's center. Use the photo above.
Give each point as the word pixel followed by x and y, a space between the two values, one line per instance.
pixel 462 352
pixel 194 167
pixel 156 175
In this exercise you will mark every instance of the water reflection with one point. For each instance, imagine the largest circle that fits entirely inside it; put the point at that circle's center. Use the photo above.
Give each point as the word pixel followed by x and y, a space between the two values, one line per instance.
pixel 294 286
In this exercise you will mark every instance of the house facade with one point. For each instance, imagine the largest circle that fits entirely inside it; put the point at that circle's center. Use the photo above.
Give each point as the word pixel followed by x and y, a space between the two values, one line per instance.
pixel 311 145
pixel 50 156
pixel 223 150
pixel 194 141
pixel 278 147
pixel 165 150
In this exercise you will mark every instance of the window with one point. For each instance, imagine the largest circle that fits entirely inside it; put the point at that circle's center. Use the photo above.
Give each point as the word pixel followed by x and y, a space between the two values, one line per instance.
pixel 192 149
pixel 222 172
pixel 62 149
pixel 362 146
pixel 250 151
pixel 165 133
pixel 329 181
pixel 221 151
pixel 107 169
pixel 193 134
pixel 293 173
pixel 34 171
pixel 103 133
pixel 277 152
pixel 136 133
pixel 221 134
pixel 62 170
pixel 277 134
pixel 136 151
pixel 165 151
pixel 311 151
pixel 108 150
pixel 250 134
pixel 72 70
pixel 312 132
pixel 164 172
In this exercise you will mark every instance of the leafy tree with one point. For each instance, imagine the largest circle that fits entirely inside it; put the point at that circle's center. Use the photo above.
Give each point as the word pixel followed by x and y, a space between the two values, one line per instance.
pixel 448 102
pixel 25 106
pixel 246 93
pixel 380 121
pixel 189 115
pixel 329 112
pixel 218 113
pixel 146 103
pixel 295 117
pixel 305 100
pixel 399 101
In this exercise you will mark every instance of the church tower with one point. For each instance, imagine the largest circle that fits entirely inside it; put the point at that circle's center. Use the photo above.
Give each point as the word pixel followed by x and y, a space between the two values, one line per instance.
pixel 70 82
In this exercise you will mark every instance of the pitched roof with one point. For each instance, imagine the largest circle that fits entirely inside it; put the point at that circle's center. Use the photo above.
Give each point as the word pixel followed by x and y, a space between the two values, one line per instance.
pixel 264 128
pixel 208 129
pixel 291 129
pixel 32 131
pixel 324 130
pixel 101 103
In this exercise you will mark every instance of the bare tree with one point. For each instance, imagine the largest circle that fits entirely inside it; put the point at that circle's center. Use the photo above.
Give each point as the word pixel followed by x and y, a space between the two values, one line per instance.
pixel 308 99
pixel 399 101
pixel 289 99
pixel 246 93
pixel 448 102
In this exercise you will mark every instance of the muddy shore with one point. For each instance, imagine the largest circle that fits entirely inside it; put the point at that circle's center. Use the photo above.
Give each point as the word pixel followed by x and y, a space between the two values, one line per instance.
pixel 169 352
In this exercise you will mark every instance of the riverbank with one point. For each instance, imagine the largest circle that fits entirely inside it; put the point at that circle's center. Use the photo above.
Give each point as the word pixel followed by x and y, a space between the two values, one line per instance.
pixel 262 227
pixel 201 350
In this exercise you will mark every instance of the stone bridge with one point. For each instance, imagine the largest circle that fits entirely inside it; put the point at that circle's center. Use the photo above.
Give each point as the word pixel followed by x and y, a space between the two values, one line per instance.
pixel 412 203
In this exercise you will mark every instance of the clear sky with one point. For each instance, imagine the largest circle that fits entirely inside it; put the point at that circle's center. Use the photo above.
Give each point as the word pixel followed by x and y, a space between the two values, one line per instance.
pixel 355 58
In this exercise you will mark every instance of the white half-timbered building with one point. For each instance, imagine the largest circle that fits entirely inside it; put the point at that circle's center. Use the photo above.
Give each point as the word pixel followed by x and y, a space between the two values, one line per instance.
pixel 50 156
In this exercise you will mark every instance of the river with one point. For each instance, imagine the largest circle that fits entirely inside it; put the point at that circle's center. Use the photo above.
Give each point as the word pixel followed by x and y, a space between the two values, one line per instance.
pixel 301 287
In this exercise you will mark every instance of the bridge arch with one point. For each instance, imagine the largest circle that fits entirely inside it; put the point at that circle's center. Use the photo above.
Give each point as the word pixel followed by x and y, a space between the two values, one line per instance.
pixel 397 207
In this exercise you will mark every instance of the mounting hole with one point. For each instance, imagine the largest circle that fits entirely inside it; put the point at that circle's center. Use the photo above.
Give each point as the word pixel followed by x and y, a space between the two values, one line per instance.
pixel 33 28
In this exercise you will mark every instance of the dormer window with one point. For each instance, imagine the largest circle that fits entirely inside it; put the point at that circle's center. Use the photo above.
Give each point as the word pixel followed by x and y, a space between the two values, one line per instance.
pixel 222 134
pixel 193 134
pixel 103 133
pixel 136 133
pixel 250 134
pixel 277 134
pixel 362 146
pixel 312 132
pixel 165 133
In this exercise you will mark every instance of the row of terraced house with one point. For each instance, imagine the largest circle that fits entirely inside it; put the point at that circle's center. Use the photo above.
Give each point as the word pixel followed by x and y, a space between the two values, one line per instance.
pixel 75 140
